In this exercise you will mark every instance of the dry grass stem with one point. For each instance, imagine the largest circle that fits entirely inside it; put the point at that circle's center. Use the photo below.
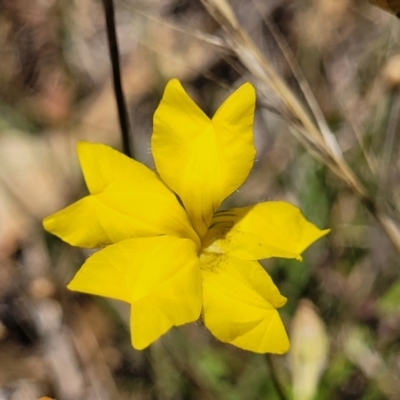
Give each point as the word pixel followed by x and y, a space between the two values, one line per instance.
pixel 320 142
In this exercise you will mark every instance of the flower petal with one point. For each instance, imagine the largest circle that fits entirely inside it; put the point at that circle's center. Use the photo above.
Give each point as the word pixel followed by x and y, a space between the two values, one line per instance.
pixel 203 160
pixel 239 304
pixel 128 200
pixel 158 276
pixel 270 229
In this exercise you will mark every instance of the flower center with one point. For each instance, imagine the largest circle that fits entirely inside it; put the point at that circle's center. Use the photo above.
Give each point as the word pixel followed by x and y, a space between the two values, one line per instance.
pixel 212 261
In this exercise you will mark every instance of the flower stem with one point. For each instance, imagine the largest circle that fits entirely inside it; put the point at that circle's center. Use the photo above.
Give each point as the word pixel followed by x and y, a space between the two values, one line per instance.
pixel 109 15
pixel 275 379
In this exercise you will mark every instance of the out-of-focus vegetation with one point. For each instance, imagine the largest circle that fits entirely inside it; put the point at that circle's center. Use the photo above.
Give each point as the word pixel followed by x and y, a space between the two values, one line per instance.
pixel 343 310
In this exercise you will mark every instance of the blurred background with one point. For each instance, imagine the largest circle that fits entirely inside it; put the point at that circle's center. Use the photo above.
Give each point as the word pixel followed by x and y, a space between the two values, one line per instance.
pixel 343 310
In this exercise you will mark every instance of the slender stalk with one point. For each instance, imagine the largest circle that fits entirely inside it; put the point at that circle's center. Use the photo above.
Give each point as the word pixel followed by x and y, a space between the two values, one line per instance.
pixel 280 391
pixel 109 15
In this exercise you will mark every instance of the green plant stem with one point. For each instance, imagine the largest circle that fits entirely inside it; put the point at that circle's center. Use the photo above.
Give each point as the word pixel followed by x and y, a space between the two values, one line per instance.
pixel 275 380
pixel 109 15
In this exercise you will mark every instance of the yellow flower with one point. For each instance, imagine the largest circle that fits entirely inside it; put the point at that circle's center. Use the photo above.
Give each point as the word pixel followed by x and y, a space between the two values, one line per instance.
pixel 169 253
